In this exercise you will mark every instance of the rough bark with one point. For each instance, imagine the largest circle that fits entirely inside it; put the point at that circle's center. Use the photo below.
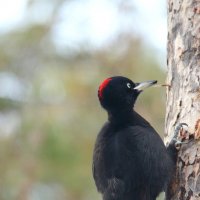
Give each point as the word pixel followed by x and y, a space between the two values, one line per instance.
pixel 183 95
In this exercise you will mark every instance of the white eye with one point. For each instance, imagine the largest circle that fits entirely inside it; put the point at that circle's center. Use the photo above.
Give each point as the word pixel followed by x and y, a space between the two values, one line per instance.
pixel 128 85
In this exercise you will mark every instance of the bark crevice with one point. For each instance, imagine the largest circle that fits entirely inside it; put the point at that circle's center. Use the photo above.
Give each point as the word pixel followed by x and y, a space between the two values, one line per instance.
pixel 183 97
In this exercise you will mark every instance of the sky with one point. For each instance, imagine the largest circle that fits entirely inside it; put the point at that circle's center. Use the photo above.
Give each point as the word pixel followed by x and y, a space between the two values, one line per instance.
pixel 98 21
pixel 11 13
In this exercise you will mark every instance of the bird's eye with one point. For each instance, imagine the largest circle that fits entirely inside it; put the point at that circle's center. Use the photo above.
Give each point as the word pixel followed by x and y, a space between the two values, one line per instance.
pixel 128 85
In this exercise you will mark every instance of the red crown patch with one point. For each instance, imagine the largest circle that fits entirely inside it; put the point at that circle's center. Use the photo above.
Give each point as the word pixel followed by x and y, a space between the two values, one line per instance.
pixel 103 86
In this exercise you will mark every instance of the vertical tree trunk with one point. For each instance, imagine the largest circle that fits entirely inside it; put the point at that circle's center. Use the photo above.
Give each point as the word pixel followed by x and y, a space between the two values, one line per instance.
pixel 183 97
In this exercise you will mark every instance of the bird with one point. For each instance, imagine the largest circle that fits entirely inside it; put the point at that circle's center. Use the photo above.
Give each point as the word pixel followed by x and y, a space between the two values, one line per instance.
pixel 130 160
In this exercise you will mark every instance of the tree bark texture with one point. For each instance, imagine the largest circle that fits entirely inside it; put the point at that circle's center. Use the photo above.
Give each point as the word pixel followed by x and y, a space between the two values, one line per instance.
pixel 183 93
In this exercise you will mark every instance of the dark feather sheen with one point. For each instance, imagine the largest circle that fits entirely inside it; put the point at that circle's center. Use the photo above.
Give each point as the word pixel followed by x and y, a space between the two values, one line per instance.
pixel 130 160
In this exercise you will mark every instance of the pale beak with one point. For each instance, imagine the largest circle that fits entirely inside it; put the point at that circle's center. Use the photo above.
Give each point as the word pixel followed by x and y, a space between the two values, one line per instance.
pixel 143 85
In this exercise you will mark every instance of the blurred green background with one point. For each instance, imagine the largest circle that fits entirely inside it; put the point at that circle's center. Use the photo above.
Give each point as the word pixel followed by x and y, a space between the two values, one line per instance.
pixel 49 110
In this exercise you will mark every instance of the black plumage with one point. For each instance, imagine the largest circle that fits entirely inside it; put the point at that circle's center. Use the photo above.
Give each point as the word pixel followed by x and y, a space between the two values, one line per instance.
pixel 130 160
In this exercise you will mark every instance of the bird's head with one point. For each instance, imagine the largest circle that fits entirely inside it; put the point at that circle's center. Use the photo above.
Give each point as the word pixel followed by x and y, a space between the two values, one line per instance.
pixel 120 93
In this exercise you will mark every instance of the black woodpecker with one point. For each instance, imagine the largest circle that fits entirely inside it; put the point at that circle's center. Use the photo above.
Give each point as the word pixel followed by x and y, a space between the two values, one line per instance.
pixel 130 160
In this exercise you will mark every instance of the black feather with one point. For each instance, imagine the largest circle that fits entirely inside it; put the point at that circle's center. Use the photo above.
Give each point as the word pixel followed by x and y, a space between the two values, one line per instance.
pixel 130 160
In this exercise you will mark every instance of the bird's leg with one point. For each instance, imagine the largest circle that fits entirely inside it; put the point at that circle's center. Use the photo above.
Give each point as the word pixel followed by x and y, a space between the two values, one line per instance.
pixel 172 148
pixel 179 135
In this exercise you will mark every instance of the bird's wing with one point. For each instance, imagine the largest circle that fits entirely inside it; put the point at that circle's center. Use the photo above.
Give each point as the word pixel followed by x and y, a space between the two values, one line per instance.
pixel 148 158
pixel 144 143
pixel 140 139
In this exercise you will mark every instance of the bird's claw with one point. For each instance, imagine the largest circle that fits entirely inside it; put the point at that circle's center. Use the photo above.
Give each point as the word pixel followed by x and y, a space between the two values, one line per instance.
pixel 179 134
pixel 179 142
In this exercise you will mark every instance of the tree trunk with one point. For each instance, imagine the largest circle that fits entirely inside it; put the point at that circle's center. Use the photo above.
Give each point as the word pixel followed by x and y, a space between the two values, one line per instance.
pixel 183 95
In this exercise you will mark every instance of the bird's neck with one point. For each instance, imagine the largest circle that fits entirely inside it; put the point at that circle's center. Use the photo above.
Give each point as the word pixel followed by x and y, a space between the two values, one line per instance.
pixel 120 116
pixel 126 117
